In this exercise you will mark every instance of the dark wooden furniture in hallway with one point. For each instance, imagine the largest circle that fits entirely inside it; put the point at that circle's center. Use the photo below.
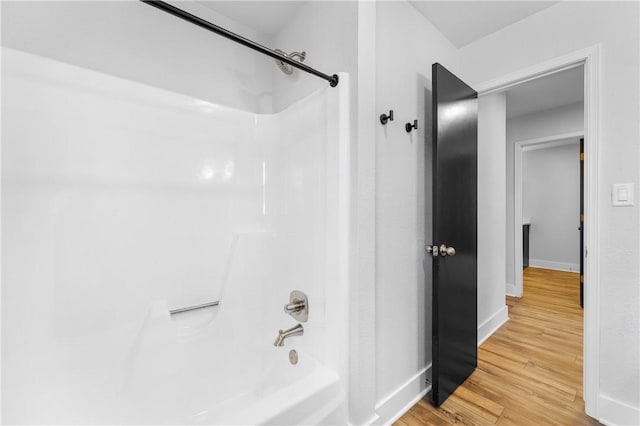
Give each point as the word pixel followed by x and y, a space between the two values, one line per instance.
pixel 530 371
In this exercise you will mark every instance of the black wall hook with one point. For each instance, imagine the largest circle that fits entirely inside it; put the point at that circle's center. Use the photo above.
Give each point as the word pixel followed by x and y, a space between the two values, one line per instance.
pixel 408 127
pixel 384 117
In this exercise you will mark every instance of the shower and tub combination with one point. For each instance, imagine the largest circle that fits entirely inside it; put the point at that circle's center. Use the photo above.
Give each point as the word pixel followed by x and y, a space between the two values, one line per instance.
pixel 168 260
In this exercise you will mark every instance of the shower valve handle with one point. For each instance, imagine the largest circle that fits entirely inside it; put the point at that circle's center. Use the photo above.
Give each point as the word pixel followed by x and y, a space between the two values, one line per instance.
pixel 294 307
pixel 298 306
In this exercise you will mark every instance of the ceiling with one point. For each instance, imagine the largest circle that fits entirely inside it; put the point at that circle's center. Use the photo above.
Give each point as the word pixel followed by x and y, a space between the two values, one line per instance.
pixel 562 88
pixel 266 17
pixel 463 22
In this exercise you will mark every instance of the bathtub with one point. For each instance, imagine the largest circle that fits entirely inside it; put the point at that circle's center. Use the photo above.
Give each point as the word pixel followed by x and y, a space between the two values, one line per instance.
pixel 219 365
pixel 193 381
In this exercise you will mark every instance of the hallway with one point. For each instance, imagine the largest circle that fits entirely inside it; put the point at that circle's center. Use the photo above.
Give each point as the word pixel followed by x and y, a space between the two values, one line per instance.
pixel 530 371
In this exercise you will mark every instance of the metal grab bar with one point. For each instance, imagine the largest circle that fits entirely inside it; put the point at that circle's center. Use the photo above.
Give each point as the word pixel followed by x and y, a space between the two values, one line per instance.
pixel 192 308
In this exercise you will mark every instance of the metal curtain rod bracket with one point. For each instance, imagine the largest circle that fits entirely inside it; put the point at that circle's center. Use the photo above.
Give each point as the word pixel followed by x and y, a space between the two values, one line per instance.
pixel 166 7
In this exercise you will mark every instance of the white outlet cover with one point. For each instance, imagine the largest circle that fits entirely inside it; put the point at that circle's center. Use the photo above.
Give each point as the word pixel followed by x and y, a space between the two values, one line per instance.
pixel 622 194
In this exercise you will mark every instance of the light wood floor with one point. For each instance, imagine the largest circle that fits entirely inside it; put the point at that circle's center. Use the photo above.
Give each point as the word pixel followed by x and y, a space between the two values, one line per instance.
pixel 530 371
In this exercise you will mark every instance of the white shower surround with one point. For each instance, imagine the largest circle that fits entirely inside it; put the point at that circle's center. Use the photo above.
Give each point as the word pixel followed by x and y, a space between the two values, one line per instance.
pixel 121 201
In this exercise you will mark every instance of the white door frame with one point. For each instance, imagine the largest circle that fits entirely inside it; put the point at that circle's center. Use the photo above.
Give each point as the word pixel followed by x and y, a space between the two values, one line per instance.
pixel 519 148
pixel 590 59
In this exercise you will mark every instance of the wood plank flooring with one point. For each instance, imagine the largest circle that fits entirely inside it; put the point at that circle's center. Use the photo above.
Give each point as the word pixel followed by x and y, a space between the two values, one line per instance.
pixel 530 371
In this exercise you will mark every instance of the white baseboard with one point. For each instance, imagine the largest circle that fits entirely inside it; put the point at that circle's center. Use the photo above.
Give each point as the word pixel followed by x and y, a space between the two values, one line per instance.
pixel 558 266
pixel 373 420
pixel 616 413
pixel 398 402
pixel 494 322
pixel 511 290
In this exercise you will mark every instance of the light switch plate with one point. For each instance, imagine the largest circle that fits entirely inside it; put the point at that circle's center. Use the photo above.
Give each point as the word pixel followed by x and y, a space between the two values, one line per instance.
pixel 622 194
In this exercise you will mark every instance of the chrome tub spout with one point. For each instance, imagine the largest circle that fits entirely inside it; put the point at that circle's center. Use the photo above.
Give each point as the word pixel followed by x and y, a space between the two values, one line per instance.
pixel 282 335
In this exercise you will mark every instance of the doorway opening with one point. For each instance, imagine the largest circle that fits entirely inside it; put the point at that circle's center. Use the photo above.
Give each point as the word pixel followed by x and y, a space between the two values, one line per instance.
pixel 589 61
pixel 545 250
pixel 547 217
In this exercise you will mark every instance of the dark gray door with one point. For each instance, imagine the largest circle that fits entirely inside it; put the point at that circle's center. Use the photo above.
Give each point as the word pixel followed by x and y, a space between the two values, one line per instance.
pixel 581 227
pixel 454 250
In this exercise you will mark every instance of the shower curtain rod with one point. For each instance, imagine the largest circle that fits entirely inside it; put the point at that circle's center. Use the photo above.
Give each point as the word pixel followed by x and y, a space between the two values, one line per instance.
pixel 166 7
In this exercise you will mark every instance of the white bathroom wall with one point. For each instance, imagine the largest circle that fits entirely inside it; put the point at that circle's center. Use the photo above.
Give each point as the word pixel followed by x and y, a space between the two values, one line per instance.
pixel 492 311
pixel 407 46
pixel 615 26
pixel 132 40
pixel 551 198
pixel 554 121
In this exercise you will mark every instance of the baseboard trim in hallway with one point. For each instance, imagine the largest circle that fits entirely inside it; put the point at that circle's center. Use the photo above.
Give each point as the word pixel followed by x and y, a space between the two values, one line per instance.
pixel 556 266
pixel 511 290
pixel 614 412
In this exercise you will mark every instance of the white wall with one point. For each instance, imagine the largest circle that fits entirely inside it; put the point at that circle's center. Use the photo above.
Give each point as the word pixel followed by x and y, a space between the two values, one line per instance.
pixel 554 121
pixel 362 355
pixel 492 311
pixel 132 40
pixel 407 45
pixel 615 26
pixel 551 198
